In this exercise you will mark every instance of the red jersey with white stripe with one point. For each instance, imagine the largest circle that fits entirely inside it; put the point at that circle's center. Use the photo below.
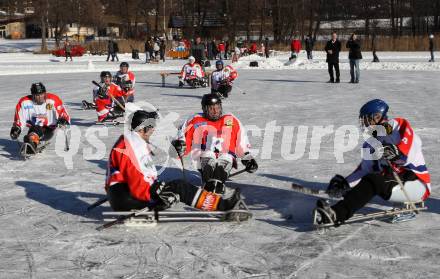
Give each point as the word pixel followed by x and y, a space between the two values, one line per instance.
pixel 104 105
pixel 226 135
pixel 227 74
pixel 131 163
pixel 27 113
pixel 410 159
pixel 128 76
pixel 191 71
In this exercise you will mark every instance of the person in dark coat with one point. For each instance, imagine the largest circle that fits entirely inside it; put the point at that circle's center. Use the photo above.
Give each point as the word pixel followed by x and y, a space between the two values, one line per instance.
pixel 373 48
pixel 209 51
pixel 309 42
pixel 332 48
pixel 198 51
pixel 148 47
pixel 115 51
pixel 162 47
pixel 110 50
pixel 431 47
pixel 266 47
pixel 354 55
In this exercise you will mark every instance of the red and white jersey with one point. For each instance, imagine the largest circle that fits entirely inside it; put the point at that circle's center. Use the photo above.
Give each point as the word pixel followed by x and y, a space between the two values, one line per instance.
pixel 226 135
pixel 104 105
pixel 190 71
pixel 131 163
pixel 27 113
pixel 124 77
pixel 410 159
pixel 227 74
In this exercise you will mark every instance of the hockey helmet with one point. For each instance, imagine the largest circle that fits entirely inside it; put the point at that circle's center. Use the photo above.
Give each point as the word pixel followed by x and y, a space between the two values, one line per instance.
pixel 143 119
pixel 210 100
pixel 373 112
pixel 219 63
pixel 37 88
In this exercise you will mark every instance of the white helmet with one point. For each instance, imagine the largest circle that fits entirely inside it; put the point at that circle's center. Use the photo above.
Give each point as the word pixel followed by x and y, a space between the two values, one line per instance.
pixel 191 59
pixel 431 36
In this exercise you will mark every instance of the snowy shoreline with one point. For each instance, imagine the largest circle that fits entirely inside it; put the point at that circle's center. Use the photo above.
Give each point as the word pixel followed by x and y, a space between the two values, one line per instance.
pixel 28 63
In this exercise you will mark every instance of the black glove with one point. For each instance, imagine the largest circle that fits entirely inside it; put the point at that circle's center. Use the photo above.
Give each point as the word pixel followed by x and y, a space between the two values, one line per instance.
pixel 163 197
pixel 337 187
pixel 62 122
pixel 102 92
pixel 15 132
pixel 180 147
pixel 249 162
pixel 390 152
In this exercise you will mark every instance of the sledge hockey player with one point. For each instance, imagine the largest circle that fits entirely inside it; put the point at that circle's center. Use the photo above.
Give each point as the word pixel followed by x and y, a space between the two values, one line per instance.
pixel 222 78
pixel 42 112
pixel 193 74
pixel 132 181
pixel 92 105
pixel 215 140
pixel 401 153
pixel 106 100
pixel 126 80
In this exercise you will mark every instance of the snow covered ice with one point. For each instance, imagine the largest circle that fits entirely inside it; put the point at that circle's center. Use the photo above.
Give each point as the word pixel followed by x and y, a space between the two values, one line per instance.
pixel 47 233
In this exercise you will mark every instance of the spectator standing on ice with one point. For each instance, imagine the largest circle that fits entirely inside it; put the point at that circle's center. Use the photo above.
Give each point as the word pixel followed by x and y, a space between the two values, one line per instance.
pixel 67 49
pixel 110 50
pixel 332 48
pixel 115 51
pixel 309 42
pixel 373 48
pixel 354 55
pixel 162 47
pixel 148 49
pixel 295 47
pixel 431 47
pixel 266 47
pixel 198 51
pixel 221 50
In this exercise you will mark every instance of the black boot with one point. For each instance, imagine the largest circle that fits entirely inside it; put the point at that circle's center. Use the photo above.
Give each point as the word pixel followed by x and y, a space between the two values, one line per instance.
pixel 231 202
pixel 324 214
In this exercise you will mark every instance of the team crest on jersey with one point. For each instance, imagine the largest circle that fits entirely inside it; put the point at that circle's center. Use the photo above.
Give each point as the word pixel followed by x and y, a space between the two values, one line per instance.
pixel 228 122
pixel 49 106
pixel 196 125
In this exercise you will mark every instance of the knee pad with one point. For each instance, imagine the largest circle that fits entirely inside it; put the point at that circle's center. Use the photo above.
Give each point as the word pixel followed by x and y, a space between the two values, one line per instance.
pixel 207 162
pixel 225 161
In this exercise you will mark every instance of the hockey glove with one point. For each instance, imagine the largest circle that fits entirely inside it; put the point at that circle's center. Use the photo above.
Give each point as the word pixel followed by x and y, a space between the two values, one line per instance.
pixel 102 92
pixel 162 196
pixel 15 132
pixel 180 147
pixel 390 152
pixel 62 122
pixel 337 187
pixel 249 162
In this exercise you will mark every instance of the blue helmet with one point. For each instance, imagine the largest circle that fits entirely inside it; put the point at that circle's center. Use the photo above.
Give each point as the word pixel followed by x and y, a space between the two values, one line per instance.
pixel 219 62
pixel 372 107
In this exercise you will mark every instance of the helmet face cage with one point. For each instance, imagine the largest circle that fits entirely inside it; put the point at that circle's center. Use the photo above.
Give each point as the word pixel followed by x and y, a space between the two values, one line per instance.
pixel 209 100
pixel 219 65
pixel 366 121
pixel 372 113
pixel 37 88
